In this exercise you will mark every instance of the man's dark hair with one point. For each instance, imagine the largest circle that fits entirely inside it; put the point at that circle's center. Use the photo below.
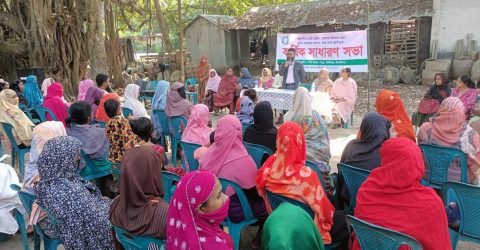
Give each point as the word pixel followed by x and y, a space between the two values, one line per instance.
pixel 348 70
pixel 142 127
pixel 101 79
pixel 292 50
pixel 251 93
pixel 111 107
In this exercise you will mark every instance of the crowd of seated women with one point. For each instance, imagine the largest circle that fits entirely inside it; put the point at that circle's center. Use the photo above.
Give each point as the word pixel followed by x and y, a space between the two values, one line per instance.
pixel 391 197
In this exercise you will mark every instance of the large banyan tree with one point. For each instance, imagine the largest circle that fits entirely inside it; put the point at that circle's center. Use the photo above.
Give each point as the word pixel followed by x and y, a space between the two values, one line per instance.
pixel 62 36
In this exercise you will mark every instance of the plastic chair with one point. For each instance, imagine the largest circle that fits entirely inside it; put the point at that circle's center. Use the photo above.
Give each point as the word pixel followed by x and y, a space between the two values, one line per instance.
pixel 26 110
pixel 188 150
pixel 244 127
pixel 21 221
pixel 370 236
pixel 257 152
pixel 27 200
pixel 468 200
pixel 275 200
pixel 42 113
pixel 316 170
pixel 94 168
pixel 102 124
pixel 126 112
pixel 115 166
pixel 130 241
pixel 175 125
pixel 438 159
pixel 162 119
pixel 354 178
pixel 192 96
pixel 16 151
pixel 169 181
pixel 234 229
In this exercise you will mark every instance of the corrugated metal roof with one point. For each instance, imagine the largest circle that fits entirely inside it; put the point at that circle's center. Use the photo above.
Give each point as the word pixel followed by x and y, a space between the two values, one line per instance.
pixel 332 12
pixel 221 20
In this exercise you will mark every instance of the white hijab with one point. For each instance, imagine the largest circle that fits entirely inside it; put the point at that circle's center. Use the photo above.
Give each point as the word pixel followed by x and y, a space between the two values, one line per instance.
pixel 213 82
pixel 8 199
pixel 302 105
pixel 132 92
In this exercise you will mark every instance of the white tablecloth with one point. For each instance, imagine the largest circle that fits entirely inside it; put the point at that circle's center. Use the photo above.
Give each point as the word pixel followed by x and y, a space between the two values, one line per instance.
pixel 282 99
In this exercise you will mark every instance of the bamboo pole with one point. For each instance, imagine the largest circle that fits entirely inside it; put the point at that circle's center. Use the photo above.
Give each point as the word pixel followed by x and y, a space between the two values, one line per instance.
pixel 180 27
pixel 368 55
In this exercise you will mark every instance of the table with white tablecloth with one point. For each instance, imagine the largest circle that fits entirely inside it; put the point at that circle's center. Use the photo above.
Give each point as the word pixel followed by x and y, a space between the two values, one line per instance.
pixel 282 99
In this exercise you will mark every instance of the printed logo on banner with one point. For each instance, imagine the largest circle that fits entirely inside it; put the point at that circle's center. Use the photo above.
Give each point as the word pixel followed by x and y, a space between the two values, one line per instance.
pixel 285 40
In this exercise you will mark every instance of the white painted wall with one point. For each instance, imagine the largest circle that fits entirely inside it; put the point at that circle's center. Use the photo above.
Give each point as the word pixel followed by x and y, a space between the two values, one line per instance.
pixel 453 20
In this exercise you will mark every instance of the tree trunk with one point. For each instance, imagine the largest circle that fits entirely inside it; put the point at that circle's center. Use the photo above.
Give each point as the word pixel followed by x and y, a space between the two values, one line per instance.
pixel 163 27
pixel 112 45
pixel 180 28
pixel 96 41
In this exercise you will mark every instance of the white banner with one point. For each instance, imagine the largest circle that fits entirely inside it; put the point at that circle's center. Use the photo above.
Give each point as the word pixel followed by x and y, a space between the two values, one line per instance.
pixel 333 51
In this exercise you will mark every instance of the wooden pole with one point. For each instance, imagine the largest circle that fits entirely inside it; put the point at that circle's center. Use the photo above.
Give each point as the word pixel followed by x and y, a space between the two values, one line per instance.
pixel 368 55
pixel 180 27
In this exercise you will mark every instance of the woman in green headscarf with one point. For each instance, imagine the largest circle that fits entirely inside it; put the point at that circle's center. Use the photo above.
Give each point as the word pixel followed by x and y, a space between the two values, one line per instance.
pixel 290 227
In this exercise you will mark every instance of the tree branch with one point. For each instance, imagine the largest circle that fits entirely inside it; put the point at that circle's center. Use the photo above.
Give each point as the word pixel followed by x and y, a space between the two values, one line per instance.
pixel 16 47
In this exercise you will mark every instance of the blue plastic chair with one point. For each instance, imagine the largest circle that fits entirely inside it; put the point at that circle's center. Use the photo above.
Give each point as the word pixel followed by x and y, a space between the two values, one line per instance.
pixel 126 112
pixel 244 127
pixel 162 119
pixel 468 200
pixel 94 168
pixel 439 159
pixel 169 181
pixel 27 200
pixel 16 151
pixel 188 150
pixel 42 112
pixel 102 124
pixel 133 242
pixel 234 229
pixel 314 167
pixel 192 96
pixel 175 123
pixel 370 236
pixel 275 200
pixel 257 152
pixel 354 178
pixel 26 110
pixel 115 166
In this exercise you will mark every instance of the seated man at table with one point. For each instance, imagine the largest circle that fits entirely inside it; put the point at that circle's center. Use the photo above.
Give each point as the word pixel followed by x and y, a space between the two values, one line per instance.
pixel 344 95
pixel 293 75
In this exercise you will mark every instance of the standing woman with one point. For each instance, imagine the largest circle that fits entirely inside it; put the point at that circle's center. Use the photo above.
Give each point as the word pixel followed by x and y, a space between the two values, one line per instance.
pixel 32 93
pixel 17 86
pixel 467 93
pixel 159 103
pixel 344 95
pixel 11 114
pixel 266 81
pixel 439 91
pixel 53 101
pixel 177 103
pixel 202 76
pixel 212 88
pixel 226 91
pixel 389 104
pixel 322 83
pixel 132 92
pixel 93 97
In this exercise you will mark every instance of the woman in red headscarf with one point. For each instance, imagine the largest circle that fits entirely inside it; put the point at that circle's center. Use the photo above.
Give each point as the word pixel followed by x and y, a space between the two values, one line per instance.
pixel 393 197
pixel 54 102
pixel 285 173
pixel 389 104
pixel 202 76
pixel 226 91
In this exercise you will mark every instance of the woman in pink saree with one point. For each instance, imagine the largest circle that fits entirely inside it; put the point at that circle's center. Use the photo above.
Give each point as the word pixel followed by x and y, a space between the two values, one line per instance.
pixel 344 95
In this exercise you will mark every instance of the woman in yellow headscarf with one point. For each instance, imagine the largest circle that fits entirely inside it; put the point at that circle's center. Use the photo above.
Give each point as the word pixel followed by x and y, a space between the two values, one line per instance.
pixel 11 114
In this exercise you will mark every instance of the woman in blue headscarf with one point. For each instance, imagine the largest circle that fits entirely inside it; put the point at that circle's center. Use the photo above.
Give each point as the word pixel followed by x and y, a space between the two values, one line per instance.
pixel 246 80
pixel 159 102
pixel 32 92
